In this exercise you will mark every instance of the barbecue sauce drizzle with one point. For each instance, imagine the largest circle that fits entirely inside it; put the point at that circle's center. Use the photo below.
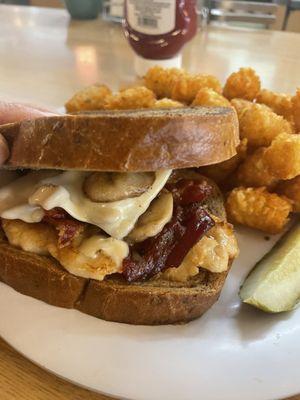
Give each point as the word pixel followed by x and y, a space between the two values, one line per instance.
pixel 189 223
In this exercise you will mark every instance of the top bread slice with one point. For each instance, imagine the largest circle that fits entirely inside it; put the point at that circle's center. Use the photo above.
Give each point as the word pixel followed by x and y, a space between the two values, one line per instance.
pixel 135 140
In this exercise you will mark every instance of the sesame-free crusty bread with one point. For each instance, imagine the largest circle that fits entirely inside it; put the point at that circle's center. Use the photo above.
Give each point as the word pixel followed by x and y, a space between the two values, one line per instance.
pixel 153 302
pixel 136 140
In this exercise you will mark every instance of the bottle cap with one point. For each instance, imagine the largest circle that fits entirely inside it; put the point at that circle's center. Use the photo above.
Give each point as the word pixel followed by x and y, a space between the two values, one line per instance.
pixel 141 65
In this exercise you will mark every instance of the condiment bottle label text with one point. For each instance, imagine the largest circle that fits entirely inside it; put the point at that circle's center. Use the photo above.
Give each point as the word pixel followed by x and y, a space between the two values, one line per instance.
pixel 151 17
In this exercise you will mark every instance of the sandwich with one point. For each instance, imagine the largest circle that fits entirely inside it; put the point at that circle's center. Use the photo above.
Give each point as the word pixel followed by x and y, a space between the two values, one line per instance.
pixel 107 213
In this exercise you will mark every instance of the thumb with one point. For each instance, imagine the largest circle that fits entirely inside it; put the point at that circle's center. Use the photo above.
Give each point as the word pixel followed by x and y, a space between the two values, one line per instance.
pixel 4 152
pixel 15 112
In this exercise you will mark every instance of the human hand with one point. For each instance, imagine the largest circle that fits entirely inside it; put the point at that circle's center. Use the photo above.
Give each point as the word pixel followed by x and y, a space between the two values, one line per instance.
pixel 16 112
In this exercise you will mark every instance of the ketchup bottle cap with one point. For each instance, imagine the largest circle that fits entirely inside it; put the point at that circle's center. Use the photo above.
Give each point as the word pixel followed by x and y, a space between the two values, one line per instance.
pixel 141 65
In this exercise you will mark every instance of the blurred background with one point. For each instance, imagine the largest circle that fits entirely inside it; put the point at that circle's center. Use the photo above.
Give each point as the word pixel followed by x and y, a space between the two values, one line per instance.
pixel 275 15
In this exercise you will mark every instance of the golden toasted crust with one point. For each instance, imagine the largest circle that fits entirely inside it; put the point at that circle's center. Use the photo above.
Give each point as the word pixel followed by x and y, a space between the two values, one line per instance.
pixel 139 140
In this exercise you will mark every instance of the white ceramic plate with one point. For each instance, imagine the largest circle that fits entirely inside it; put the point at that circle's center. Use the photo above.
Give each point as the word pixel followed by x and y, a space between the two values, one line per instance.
pixel 233 352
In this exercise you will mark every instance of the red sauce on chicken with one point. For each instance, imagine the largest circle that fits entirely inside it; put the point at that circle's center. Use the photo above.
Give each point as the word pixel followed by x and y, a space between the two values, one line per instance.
pixel 190 221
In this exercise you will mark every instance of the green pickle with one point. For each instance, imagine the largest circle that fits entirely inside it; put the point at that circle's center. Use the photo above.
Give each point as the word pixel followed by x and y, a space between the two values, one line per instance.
pixel 274 283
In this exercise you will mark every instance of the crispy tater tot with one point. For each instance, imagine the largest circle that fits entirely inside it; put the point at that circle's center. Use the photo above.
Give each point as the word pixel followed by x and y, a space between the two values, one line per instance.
pixel 90 98
pixel 131 84
pixel 254 171
pixel 283 156
pixel 167 103
pixel 257 208
pixel 241 106
pixel 136 97
pixel 291 189
pixel 260 125
pixel 220 172
pixel 161 80
pixel 296 110
pixel 244 84
pixel 280 103
pixel 209 98
pixel 185 88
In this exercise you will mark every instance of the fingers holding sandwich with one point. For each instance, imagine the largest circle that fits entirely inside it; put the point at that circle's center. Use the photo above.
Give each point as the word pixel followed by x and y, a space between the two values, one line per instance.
pixel 4 152
pixel 16 112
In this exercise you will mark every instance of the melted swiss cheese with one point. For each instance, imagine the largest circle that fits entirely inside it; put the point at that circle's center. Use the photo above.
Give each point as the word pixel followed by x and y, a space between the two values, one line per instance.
pixel 27 197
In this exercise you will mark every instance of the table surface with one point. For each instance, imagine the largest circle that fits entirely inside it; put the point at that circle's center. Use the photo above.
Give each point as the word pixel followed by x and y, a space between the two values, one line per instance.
pixel 46 57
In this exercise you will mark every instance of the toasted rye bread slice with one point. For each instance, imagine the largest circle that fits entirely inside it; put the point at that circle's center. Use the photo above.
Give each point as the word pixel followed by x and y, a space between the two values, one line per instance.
pixel 157 301
pixel 138 140
pixel 152 302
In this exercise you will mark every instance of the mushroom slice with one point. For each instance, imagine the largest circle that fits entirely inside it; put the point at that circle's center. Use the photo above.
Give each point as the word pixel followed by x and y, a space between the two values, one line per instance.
pixel 114 186
pixel 154 219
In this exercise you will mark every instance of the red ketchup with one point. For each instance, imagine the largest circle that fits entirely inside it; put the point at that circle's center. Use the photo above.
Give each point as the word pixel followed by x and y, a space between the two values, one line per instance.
pixel 158 30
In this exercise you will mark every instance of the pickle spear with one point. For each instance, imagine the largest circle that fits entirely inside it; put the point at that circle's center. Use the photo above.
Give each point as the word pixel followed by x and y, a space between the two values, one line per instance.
pixel 274 283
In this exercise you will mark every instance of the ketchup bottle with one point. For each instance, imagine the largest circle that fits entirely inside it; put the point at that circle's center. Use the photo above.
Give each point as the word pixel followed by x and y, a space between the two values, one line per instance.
pixel 158 29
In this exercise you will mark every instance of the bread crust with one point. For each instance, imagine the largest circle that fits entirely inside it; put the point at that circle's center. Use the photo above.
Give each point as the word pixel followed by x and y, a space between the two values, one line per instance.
pixel 138 140
pixel 38 276
pixel 153 302
pixel 149 303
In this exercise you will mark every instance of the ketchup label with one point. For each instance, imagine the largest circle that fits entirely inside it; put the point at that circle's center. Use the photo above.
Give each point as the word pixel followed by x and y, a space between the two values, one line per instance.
pixel 151 16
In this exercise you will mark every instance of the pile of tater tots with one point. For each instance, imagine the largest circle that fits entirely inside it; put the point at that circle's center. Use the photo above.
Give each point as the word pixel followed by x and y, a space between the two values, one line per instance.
pixel 262 181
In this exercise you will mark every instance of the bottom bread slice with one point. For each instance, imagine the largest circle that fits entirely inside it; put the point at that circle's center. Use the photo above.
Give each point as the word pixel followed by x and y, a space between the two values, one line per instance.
pixel 152 302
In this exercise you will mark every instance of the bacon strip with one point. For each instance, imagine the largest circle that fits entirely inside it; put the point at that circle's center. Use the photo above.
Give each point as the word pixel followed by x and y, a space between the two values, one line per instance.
pixel 189 223
pixel 187 191
pixel 68 228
